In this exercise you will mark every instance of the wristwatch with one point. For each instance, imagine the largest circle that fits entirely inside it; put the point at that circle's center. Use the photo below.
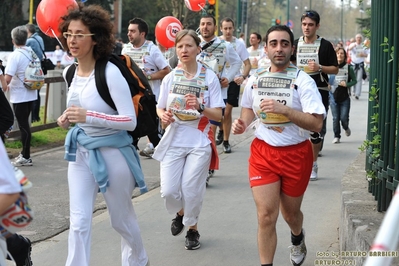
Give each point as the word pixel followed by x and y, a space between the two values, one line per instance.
pixel 149 77
pixel 320 68
pixel 201 108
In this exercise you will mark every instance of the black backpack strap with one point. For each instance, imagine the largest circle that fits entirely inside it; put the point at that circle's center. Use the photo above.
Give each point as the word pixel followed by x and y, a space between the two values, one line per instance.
pixel 139 73
pixel 69 75
pixel 101 82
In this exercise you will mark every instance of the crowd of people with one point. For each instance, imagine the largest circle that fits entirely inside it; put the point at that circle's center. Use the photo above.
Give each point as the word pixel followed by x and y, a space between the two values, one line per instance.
pixel 197 84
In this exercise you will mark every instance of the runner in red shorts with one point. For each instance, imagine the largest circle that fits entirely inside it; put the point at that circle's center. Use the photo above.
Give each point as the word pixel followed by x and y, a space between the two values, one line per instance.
pixel 288 105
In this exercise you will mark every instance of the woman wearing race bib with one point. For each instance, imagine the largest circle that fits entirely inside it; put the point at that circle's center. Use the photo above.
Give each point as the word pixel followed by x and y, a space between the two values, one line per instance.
pixel 340 101
pixel 189 96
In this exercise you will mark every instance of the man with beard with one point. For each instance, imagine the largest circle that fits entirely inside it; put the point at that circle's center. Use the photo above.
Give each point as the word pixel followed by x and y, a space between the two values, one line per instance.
pixel 150 59
pixel 287 103
pixel 216 54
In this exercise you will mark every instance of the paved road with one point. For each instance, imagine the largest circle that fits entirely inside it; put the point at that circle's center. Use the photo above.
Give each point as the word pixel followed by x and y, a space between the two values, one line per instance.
pixel 227 224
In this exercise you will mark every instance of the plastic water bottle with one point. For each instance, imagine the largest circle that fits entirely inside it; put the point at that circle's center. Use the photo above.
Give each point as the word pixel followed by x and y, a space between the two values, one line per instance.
pixel 7 133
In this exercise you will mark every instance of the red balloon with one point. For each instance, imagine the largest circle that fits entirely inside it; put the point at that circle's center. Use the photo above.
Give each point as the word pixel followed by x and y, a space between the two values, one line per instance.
pixel 49 13
pixel 166 30
pixel 195 5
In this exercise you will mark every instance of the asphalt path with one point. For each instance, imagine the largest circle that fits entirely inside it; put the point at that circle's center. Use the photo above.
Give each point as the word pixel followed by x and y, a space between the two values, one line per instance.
pixel 228 224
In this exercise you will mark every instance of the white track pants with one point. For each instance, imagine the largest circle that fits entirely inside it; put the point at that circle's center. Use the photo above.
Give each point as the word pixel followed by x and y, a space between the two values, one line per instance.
pixel 357 88
pixel 82 194
pixel 183 180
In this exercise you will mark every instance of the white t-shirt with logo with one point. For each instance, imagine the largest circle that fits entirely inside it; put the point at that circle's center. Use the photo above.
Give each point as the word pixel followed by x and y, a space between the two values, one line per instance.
pixel 17 62
pixel 305 98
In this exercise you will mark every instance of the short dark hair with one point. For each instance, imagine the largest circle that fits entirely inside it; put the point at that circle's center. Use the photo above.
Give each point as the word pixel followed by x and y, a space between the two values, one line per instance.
pixel 226 20
pixel 141 25
pixel 313 15
pixel 209 16
pixel 98 21
pixel 280 28
pixel 257 35
pixel 31 28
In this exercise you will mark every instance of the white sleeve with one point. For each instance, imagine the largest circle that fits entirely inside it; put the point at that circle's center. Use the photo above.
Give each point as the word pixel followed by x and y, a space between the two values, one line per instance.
pixel 8 182
pixel 234 60
pixel 309 95
pixel 157 58
pixel 215 91
pixel 247 99
pixel 242 51
pixel 125 119
pixel 164 90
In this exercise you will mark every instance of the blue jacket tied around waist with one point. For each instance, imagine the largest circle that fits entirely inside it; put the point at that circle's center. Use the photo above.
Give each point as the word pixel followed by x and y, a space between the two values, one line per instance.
pixel 121 140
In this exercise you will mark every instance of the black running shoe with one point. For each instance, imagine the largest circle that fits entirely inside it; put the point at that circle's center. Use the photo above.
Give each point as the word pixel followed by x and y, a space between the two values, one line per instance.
pixel 192 240
pixel 20 249
pixel 227 148
pixel 219 138
pixel 210 174
pixel 177 225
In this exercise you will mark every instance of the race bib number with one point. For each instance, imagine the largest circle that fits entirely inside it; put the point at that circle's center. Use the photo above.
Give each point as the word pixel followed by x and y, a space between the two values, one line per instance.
pixel 277 88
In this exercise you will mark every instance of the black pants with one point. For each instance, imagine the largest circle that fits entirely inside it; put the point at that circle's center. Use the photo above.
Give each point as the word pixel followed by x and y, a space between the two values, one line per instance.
pixel 22 112
pixel 36 108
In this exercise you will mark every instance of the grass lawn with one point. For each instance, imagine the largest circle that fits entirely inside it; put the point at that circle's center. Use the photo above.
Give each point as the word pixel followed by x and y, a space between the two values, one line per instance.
pixel 46 138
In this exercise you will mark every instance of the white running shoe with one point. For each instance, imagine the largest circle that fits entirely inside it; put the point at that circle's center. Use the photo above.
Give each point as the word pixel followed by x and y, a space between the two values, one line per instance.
pixel 21 161
pixel 335 140
pixel 298 253
pixel 313 175
pixel 148 151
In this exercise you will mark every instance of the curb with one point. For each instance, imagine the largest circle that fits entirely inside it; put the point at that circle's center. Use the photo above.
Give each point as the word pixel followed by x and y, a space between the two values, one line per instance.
pixel 360 220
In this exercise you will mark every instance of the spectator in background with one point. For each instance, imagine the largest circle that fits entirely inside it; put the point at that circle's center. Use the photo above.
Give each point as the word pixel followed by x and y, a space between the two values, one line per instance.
pixel 118 46
pixel 35 41
pixel 58 53
pixel 358 53
pixel 21 98
pixel 241 38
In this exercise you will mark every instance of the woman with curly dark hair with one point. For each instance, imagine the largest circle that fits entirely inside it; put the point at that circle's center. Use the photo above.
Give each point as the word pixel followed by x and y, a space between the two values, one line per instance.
pixel 98 148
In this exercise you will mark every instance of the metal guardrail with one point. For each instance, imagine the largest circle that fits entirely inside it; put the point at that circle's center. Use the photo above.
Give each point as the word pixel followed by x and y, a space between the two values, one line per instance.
pixel 45 125
pixel 384 75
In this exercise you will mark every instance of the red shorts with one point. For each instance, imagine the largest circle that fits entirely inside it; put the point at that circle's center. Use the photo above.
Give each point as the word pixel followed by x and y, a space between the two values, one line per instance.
pixel 291 165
